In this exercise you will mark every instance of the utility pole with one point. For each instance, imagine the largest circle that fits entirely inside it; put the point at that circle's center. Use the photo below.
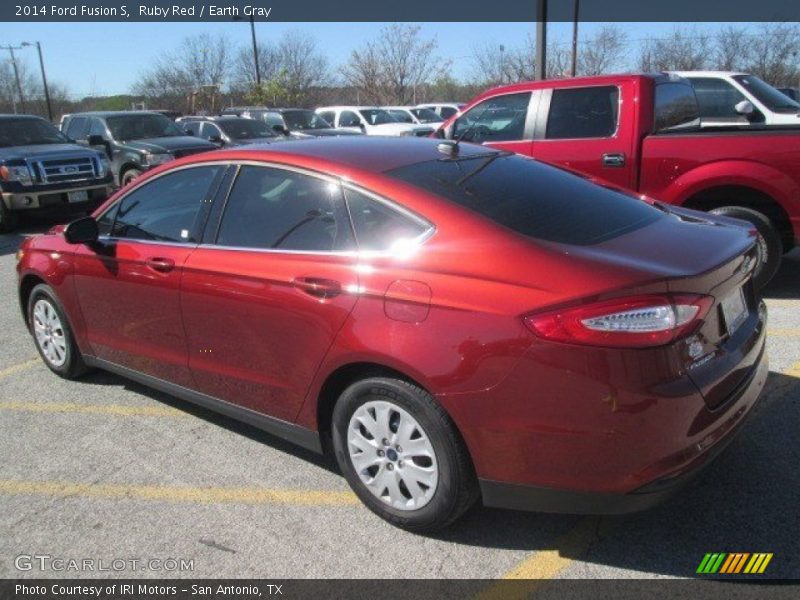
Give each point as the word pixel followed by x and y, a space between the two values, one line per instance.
pixel 502 63
pixel 44 78
pixel 574 67
pixel 541 39
pixel 16 75
pixel 255 47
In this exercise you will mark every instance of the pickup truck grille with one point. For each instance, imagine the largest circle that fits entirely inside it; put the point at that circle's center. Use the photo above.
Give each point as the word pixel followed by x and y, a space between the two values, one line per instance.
pixel 62 170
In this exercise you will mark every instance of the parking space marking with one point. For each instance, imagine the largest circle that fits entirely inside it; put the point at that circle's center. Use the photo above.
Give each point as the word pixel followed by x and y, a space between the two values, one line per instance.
pixel 195 495
pixel 794 370
pixel 97 409
pixel 784 332
pixel 19 367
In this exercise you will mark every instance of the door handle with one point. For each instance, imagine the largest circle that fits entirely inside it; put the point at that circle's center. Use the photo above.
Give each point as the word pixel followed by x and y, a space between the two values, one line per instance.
pixel 162 265
pixel 614 159
pixel 318 287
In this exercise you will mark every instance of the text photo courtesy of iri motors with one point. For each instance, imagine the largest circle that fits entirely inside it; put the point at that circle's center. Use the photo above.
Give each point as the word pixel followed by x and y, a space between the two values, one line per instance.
pixel 451 301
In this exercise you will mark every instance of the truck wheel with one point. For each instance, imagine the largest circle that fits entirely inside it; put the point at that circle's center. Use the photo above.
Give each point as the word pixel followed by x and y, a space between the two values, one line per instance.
pixel 8 219
pixel 401 454
pixel 129 176
pixel 770 246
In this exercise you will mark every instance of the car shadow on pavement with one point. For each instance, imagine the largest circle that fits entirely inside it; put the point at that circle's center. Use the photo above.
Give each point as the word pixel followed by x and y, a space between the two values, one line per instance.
pixel 746 501
pixel 786 283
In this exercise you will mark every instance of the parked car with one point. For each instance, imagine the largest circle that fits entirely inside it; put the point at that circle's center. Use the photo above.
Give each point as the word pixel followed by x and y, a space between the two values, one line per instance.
pixel 301 123
pixel 455 322
pixel 229 131
pixel 642 132
pixel 251 112
pixel 444 109
pixel 135 141
pixel 42 171
pixel 370 120
pixel 729 98
pixel 412 114
pixel 791 92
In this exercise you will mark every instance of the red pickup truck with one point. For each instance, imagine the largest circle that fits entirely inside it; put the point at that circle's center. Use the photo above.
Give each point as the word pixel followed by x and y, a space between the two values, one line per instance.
pixel 642 133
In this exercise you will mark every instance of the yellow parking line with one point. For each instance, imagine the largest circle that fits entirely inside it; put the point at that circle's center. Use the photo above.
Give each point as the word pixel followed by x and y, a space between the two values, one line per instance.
pixel 794 370
pixel 19 367
pixel 545 564
pixel 197 495
pixel 97 409
pixel 784 331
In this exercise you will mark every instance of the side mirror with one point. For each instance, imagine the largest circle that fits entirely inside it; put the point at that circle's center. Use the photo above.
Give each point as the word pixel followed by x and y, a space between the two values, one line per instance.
pixel 745 107
pixel 82 231
pixel 280 129
pixel 96 140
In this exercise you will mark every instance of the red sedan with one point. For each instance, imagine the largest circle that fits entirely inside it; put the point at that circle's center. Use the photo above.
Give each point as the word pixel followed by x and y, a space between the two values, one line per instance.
pixel 454 322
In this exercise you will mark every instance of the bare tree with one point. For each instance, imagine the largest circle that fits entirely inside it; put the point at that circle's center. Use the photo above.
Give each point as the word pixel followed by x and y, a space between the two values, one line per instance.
pixel 388 69
pixel 732 49
pixel 190 77
pixel 681 51
pixel 773 53
pixel 603 52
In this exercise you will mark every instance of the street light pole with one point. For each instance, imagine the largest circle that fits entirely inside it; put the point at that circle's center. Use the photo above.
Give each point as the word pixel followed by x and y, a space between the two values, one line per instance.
pixel 574 67
pixel 16 75
pixel 44 78
pixel 255 50
pixel 502 63
pixel 541 39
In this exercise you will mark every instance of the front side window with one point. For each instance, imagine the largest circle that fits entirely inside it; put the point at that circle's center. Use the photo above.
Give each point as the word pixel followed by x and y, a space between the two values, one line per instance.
pixel 767 95
pixel 329 116
pixel 581 113
pixel 447 111
pixel 277 209
pixel 97 127
pixel 676 107
pixel 349 119
pixel 377 116
pixel 497 119
pixel 192 127
pixel 76 128
pixel 304 119
pixel 209 130
pixel 166 209
pixel 717 98
pixel 426 115
pixel 246 129
pixel 379 227
pixel 401 116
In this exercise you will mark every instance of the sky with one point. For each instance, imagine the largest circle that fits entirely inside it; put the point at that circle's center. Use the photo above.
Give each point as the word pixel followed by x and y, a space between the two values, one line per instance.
pixel 107 58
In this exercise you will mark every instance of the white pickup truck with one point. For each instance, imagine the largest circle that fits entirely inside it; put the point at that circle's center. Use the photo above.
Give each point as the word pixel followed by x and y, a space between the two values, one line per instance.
pixel 731 98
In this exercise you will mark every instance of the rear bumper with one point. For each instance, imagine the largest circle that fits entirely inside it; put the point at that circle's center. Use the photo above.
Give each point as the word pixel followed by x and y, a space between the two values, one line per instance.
pixel 52 199
pixel 498 494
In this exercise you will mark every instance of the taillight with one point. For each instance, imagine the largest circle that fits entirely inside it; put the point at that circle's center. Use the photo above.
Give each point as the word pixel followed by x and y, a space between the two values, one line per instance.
pixel 633 322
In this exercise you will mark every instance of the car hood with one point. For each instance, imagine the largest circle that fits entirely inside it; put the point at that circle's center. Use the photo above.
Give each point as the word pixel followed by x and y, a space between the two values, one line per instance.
pixel 43 151
pixel 169 144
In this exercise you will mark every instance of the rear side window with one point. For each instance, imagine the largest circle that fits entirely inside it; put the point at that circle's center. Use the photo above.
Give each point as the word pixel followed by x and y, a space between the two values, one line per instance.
pixel 531 198
pixel 283 210
pixel 577 113
pixel 76 128
pixel 166 208
pixel 497 119
pixel 379 227
pixel 676 107
pixel 349 119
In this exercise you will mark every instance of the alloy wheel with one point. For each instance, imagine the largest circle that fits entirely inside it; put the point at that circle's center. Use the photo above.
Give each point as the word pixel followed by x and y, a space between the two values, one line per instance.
pixel 49 333
pixel 392 455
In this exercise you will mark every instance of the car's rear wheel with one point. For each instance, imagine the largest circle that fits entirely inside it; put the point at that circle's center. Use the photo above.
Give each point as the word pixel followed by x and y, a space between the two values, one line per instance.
pixel 8 219
pixel 769 244
pixel 52 334
pixel 401 454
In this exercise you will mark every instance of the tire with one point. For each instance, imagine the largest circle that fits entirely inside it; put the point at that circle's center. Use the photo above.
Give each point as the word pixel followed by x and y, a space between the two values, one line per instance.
pixel 129 176
pixel 8 218
pixel 770 245
pixel 440 460
pixel 47 321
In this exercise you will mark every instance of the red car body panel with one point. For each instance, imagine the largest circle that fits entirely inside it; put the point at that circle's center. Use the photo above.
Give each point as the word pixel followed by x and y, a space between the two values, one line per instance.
pixel 675 167
pixel 240 326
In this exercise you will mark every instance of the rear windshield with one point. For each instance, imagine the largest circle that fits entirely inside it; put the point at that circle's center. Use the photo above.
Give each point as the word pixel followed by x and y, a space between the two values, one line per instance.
pixel 531 198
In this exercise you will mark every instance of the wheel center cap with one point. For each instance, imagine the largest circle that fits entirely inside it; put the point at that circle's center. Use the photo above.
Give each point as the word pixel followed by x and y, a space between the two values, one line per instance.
pixel 391 454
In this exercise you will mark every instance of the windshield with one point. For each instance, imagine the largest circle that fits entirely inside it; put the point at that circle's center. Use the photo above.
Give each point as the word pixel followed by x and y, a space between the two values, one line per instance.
pixel 531 198
pixel 304 119
pixel 245 129
pixel 426 115
pixel 142 126
pixel 377 116
pixel 768 95
pixel 24 132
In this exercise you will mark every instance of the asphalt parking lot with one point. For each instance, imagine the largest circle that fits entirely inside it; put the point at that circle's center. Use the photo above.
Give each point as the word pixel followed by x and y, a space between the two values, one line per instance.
pixel 105 469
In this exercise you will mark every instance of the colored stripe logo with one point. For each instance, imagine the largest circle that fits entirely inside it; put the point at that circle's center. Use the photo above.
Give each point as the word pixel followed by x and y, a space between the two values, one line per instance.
pixel 734 563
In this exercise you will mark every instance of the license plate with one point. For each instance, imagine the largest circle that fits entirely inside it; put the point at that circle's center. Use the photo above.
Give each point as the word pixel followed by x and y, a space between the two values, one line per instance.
pixel 734 310
pixel 80 196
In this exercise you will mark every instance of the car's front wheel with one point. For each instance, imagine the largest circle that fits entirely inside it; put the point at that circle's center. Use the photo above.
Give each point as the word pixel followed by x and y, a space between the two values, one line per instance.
pixel 401 454
pixel 52 334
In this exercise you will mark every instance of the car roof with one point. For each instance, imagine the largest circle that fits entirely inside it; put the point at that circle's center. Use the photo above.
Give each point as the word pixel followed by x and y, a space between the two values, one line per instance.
pixel 707 73
pixel 375 154
pixel 114 113
pixel 12 116
pixel 367 106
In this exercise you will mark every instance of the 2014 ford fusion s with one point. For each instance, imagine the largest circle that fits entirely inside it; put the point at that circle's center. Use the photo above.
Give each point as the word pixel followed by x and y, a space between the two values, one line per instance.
pixel 453 322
